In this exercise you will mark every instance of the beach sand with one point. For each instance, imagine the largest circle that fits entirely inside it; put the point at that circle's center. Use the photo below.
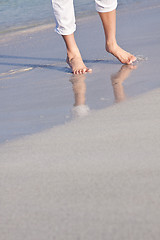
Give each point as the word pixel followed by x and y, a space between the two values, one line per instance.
pixel 89 171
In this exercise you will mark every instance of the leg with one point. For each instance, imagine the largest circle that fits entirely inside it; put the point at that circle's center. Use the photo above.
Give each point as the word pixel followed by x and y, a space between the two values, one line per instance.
pixel 65 26
pixel 108 18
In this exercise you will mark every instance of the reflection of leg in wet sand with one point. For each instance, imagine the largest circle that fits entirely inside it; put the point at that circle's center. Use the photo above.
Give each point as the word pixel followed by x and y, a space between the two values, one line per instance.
pixel 117 80
pixel 79 89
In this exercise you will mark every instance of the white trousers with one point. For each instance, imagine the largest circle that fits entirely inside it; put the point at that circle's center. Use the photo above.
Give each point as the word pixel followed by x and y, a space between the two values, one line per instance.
pixel 65 16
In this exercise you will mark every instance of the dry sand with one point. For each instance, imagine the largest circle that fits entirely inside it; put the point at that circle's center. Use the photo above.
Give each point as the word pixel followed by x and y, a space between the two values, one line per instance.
pixel 95 177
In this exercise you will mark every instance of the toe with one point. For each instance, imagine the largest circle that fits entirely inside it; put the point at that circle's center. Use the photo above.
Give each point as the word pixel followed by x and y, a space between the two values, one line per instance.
pixel 134 58
pixel 80 71
pixel 129 61
pixel 89 70
pixel 84 70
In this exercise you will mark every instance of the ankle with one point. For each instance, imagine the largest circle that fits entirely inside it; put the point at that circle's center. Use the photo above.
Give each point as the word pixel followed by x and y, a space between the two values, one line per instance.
pixel 111 46
pixel 73 53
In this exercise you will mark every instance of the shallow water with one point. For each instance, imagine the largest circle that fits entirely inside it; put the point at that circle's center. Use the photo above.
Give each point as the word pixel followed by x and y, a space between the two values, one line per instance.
pixel 15 14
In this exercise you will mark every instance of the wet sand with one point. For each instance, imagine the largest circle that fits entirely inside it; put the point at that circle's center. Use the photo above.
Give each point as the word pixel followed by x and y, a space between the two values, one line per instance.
pixel 79 156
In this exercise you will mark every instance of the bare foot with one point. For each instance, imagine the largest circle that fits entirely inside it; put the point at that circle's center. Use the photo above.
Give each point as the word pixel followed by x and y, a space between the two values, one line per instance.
pixel 77 65
pixel 123 56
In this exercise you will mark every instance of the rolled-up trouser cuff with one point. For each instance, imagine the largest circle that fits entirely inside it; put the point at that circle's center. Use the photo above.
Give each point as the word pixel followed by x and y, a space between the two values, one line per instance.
pixel 65 31
pixel 64 16
pixel 101 6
